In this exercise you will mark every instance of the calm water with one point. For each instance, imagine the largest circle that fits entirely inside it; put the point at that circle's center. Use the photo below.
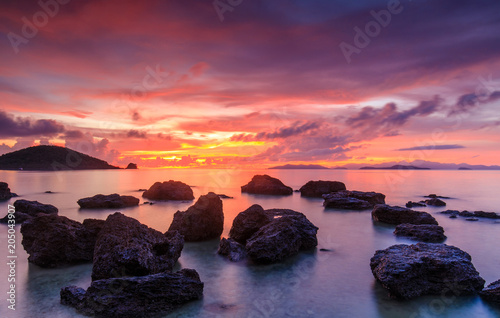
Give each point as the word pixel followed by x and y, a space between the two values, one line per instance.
pixel 316 284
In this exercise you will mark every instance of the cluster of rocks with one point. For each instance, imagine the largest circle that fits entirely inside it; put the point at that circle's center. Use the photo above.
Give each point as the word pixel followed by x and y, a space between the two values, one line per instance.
pixel 268 236
pixel 471 216
pixel 5 193
pixel 433 200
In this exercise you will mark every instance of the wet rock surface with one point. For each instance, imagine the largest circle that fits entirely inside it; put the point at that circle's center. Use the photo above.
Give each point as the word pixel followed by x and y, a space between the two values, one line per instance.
pixel 26 210
pixel 492 292
pixel 409 271
pixel 422 232
pixel 398 215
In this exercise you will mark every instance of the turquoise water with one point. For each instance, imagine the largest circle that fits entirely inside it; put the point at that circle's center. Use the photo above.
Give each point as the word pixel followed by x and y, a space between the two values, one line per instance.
pixel 338 283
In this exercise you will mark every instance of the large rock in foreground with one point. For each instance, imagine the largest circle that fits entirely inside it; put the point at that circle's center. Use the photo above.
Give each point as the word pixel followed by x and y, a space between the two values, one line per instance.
pixel 397 215
pixel 112 201
pixel 353 200
pixel 26 210
pixel 246 223
pixel 202 221
pixel 409 271
pixel 315 189
pixel 171 190
pixel 125 247
pixel 422 232
pixel 135 297
pixel 264 184
pixel 5 193
pixel 271 235
pixel 492 292
pixel 53 240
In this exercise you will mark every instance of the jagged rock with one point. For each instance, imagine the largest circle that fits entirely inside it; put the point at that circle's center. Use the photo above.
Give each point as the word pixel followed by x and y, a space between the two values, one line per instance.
pixel 353 200
pixel 5 193
pixel 125 247
pixel 135 297
pixel 397 215
pixel 289 233
pixel 131 166
pixel 231 249
pixel 435 202
pixel 421 232
pixel 315 189
pixel 112 201
pixel 411 204
pixel 52 240
pixel 26 210
pixel 171 190
pixel 246 223
pixel 202 221
pixel 264 184
pixel 492 292
pixel 409 271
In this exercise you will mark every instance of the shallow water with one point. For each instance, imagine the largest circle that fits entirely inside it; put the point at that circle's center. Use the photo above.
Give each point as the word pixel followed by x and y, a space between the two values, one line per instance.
pixel 338 283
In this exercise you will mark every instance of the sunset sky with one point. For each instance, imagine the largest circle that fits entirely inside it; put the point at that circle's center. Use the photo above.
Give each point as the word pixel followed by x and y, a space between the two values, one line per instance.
pixel 252 82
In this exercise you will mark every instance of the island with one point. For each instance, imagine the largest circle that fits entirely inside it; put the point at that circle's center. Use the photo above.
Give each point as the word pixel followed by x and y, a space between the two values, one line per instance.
pixel 395 167
pixel 289 166
pixel 50 158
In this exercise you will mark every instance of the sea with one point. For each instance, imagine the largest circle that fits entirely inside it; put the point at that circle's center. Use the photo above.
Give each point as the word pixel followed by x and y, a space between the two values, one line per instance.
pixel 333 283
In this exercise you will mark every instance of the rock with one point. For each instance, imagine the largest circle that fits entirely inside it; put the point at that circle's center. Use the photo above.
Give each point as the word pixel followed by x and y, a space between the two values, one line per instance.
pixel 5 193
pixel 487 215
pixel 475 214
pixel 48 191
pixel 53 240
pixel 26 210
pixel 135 297
pixel 112 201
pixel 171 190
pixel 466 214
pixel 492 292
pixel 264 184
pixel 131 166
pixel 421 232
pixel 411 204
pixel 202 221
pixel 223 196
pixel 246 223
pixel 450 212
pixel 453 216
pixel 231 249
pixel 472 219
pixel 142 190
pixel 409 271
pixel 353 200
pixel 125 247
pixel 397 215
pixel 289 233
pixel 435 202
pixel 435 196
pixel 315 189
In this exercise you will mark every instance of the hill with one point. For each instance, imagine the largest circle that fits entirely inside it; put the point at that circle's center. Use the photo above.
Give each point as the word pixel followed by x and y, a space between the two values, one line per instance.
pixel 299 167
pixel 50 158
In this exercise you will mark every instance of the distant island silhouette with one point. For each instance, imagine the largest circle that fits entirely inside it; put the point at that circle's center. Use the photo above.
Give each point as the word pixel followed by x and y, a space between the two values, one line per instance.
pixel 289 166
pixel 50 158
pixel 395 167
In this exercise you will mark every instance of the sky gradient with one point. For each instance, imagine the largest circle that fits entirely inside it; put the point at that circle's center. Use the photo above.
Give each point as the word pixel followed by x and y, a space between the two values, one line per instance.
pixel 253 83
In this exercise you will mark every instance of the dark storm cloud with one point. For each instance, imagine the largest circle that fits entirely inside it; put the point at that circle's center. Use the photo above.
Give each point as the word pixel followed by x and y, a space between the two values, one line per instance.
pixel 11 126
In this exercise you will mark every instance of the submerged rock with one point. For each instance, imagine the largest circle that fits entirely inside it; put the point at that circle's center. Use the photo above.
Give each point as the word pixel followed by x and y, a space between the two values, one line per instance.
pixel 353 200
pixel 409 271
pixel 53 240
pixel 125 247
pixel 421 232
pixel 171 190
pixel 26 210
pixel 264 184
pixel 135 297
pixel 397 215
pixel 231 249
pixel 492 292
pixel 202 221
pixel 315 189
pixel 435 196
pixel 411 204
pixel 435 202
pixel 112 201
pixel 5 193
